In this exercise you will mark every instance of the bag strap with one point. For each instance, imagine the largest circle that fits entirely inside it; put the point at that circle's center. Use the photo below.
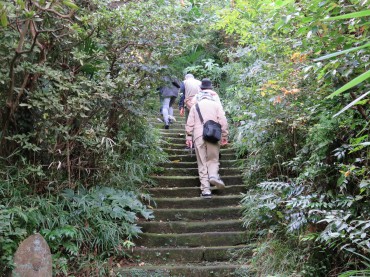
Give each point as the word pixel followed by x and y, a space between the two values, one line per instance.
pixel 200 115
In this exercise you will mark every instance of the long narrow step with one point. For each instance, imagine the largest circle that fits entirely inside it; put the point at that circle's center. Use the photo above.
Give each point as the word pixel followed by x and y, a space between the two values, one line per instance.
pixel 193 270
pixel 179 142
pixel 194 171
pixel 192 164
pixel 192 181
pixel 197 202
pixel 185 151
pixel 192 157
pixel 206 239
pixel 175 125
pixel 194 191
pixel 191 226
pixel 198 214
pixel 189 255
pixel 172 131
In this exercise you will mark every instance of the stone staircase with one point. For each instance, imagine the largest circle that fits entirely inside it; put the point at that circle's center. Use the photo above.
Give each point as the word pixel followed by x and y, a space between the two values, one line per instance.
pixel 191 236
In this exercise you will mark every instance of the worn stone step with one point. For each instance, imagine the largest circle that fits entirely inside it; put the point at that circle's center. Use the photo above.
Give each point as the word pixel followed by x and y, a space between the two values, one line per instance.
pixel 178 142
pixel 194 239
pixel 194 171
pixel 197 202
pixel 174 141
pixel 188 270
pixel 192 181
pixel 191 226
pixel 190 157
pixel 219 213
pixel 166 132
pixel 184 151
pixel 193 164
pixel 175 125
pixel 160 255
pixel 194 191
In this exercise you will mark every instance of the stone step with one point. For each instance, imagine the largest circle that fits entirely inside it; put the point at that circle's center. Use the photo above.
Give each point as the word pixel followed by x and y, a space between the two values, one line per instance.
pixel 194 239
pixel 179 124
pixel 219 213
pixel 190 157
pixel 174 141
pixel 193 164
pixel 191 270
pixel 197 202
pixel 158 255
pixel 178 142
pixel 177 139
pixel 173 135
pixel 194 171
pixel 171 131
pixel 161 126
pixel 192 181
pixel 191 226
pixel 185 151
pixel 194 191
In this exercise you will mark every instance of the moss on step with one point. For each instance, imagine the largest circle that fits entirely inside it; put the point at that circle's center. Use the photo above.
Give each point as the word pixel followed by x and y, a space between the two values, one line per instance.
pixel 197 202
pixel 198 214
pixel 191 226
pixel 167 255
pixel 194 239
pixel 195 270
pixel 192 181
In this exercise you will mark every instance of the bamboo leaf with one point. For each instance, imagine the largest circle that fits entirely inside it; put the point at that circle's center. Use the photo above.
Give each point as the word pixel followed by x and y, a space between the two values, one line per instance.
pixel 70 4
pixel 351 84
pixel 341 52
pixel 351 104
pixel 3 19
pixel 349 15
pixel 21 4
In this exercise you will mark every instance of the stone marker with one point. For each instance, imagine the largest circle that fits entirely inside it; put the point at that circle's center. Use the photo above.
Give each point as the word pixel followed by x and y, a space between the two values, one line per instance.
pixel 33 258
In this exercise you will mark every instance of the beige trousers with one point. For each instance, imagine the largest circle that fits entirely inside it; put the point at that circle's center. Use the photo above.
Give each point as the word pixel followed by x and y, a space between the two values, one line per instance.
pixel 208 162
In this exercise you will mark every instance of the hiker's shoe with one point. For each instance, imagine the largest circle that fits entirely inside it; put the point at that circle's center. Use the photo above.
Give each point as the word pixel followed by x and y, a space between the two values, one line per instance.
pixel 166 126
pixel 172 118
pixel 206 195
pixel 216 181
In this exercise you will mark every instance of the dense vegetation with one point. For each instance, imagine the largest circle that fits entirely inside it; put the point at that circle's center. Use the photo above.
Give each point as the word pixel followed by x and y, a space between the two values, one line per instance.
pixel 77 83
pixel 297 87
pixel 76 148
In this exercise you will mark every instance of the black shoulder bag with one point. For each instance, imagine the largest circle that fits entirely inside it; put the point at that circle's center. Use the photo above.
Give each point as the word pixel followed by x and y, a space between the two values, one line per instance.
pixel 211 129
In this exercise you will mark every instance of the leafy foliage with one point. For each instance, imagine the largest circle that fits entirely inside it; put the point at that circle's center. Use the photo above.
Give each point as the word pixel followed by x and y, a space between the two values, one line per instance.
pixel 295 66
pixel 74 84
pixel 100 220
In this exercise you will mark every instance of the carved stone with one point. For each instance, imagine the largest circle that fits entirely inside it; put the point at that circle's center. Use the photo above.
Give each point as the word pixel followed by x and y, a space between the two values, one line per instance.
pixel 33 258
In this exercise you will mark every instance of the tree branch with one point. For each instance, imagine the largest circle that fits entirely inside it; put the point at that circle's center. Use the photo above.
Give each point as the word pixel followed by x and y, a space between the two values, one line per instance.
pixel 65 16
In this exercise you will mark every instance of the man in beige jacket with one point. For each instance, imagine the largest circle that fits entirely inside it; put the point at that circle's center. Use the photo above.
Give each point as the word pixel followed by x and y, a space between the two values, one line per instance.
pixel 190 88
pixel 207 153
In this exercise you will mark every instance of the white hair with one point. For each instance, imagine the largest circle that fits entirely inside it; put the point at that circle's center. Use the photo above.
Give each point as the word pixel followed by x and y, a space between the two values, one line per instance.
pixel 189 76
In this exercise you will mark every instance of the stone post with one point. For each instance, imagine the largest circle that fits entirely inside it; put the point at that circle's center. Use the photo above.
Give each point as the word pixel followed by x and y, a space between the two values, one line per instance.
pixel 33 258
